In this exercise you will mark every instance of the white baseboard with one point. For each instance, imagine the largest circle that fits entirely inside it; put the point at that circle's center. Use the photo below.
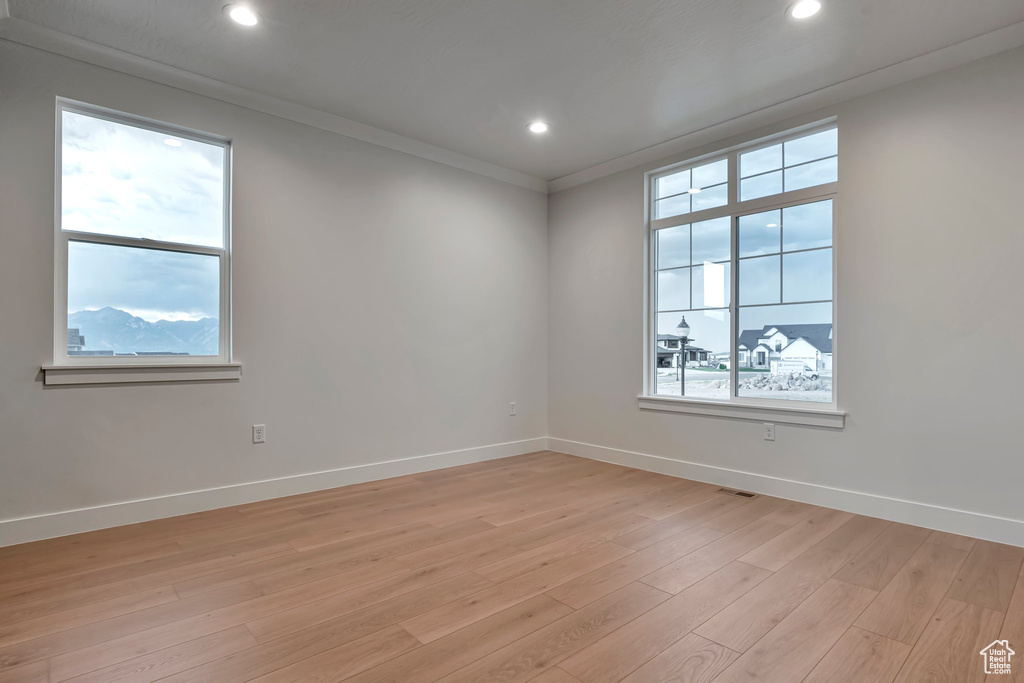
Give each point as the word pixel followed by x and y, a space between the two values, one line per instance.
pixel 63 523
pixel 974 524
pixel 25 529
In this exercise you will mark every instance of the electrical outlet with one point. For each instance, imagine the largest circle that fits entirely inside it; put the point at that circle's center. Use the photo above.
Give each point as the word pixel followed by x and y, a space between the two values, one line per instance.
pixel 512 408
pixel 259 433
pixel 769 431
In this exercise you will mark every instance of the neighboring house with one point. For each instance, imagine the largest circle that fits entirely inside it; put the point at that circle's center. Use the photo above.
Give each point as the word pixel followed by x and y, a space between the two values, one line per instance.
pixel 775 346
pixel 668 352
pixel 76 341
pixel 76 345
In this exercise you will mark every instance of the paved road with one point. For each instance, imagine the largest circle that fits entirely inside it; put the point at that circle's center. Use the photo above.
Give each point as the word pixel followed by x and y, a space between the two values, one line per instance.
pixel 695 374
pixel 692 373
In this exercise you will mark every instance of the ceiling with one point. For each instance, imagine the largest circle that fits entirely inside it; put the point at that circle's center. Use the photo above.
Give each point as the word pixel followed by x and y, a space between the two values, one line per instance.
pixel 610 76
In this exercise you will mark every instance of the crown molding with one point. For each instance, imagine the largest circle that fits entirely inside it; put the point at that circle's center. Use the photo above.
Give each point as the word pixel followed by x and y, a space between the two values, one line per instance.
pixel 26 33
pixel 954 55
pixel 30 34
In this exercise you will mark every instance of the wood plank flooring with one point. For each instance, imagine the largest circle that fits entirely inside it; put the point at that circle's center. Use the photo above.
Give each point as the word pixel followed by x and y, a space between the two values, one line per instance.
pixel 541 567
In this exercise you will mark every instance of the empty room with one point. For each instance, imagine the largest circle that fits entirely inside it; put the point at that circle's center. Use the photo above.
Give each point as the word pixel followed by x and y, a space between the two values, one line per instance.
pixel 404 341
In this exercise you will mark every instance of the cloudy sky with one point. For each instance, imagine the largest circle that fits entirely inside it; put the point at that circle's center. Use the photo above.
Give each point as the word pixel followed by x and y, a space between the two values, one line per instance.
pixel 126 181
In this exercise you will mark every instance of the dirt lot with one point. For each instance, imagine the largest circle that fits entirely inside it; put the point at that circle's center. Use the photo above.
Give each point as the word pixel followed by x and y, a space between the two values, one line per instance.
pixel 715 385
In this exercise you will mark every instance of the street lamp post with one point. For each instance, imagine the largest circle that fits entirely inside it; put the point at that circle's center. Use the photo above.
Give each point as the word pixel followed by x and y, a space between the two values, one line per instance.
pixel 683 332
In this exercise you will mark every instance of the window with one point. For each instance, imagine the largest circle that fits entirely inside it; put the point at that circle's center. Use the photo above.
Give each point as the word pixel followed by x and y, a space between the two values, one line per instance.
pixel 143 271
pixel 742 284
pixel 791 165
pixel 701 187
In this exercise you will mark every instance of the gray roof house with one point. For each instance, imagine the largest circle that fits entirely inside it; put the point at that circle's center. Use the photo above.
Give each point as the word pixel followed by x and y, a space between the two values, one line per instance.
pixel 76 345
pixel 818 335
pixel 668 346
pixel 759 347
pixel 76 341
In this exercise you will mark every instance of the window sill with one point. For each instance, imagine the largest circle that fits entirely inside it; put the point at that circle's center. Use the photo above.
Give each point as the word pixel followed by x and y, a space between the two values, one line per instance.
pixel 55 375
pixel 814 417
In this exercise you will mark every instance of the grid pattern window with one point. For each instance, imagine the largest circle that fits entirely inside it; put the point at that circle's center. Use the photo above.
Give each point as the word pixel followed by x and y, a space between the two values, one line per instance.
pixel 695 189
pixel 791 165
pixel 143 239
pixel 742 292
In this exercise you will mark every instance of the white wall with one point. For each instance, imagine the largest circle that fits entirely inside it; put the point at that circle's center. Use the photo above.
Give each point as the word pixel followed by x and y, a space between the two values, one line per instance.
pixel 931 238
pixel 344 251
pixel 385 307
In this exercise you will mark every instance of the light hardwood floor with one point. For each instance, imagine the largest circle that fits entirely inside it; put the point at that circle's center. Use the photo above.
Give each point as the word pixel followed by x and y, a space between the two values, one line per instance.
pixel 540 567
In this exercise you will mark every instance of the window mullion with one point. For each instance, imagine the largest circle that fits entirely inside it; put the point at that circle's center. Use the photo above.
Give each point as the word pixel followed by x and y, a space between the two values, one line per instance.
pixel 656 255
pixel 804 195
pixel 782 241
pixel 690 231
pixel 694 217
pixel 142 243
pixel 734 280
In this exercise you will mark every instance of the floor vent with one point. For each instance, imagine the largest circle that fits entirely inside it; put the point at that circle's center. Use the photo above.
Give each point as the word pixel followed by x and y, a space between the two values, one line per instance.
pixel 733 492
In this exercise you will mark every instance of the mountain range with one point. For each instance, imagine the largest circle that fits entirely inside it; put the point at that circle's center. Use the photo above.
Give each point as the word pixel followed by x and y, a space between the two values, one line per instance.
pixel 113 329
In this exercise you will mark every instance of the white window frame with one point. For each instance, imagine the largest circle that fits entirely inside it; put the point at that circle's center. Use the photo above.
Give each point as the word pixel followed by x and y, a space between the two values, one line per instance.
pixel 62 362
pixel 779 410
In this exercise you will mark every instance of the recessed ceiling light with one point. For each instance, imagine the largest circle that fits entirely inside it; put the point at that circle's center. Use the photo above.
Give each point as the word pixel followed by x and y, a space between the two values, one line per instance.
pixel 694 190
pixel 803 9
pixel 242 14
pixel 538 127
pixel 171 142
pixel 772 225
